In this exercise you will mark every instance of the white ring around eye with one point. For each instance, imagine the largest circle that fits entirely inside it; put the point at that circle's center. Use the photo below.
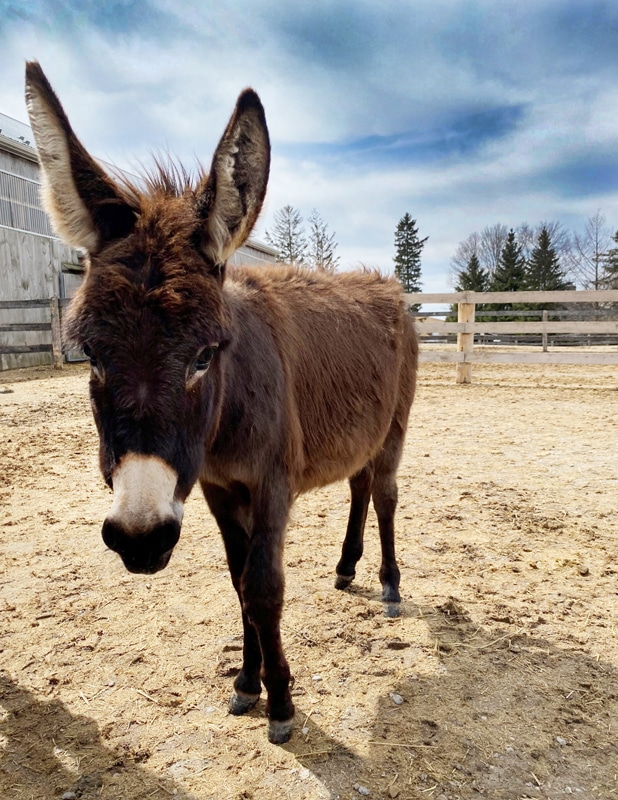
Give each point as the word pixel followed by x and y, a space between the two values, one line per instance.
pixel 193 377
pixel 97 372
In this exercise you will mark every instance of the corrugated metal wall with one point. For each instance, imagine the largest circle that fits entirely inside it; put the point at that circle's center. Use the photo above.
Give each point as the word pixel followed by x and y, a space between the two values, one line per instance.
pixel 20 205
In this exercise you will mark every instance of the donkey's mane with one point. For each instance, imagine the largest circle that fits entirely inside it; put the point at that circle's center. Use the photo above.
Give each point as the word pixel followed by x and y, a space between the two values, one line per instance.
pixel 165 177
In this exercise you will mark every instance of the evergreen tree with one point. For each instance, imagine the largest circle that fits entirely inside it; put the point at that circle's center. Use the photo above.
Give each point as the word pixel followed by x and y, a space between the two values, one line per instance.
pixel 510 273
pixel 543 271
pixel 474 278
pixel 288 236
pixel 471 279
pixel 408 255
pixel 322 245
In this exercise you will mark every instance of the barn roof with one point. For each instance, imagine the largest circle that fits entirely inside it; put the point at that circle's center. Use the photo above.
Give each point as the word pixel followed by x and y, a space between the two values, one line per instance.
pixel 14 129
pixel 17 137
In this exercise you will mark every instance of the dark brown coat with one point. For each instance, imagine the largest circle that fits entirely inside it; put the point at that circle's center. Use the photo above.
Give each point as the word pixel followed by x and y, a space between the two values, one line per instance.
pixel 261 383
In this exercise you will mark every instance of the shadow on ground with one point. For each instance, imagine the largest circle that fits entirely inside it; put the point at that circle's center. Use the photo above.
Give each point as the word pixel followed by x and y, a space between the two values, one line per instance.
pixel 505 715
pixel 72 761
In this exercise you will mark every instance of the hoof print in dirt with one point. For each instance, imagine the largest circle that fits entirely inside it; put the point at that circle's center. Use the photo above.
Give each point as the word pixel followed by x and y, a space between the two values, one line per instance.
pixel 454 611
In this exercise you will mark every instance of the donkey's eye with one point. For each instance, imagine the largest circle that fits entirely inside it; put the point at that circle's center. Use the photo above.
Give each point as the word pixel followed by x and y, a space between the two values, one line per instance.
pixel 90 356
pixel 199 367
pixel 94 361
pixel 203 360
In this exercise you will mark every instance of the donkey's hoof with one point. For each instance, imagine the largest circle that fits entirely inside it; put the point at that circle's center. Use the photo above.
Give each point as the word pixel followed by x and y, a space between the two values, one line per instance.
pixel 279 732
pixel 392 610
pixel 343 581
pixel 390 594
pixel 240 702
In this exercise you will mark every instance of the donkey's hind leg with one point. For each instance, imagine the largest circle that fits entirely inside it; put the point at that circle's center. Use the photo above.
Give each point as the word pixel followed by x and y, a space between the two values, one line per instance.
pixel 384 495
pixel 352 550
pixel 228 509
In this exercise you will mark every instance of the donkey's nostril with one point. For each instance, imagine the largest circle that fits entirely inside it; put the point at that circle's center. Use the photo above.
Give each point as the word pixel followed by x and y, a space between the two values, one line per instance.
pixel 112 535
pixel 145 552
pixel 166 536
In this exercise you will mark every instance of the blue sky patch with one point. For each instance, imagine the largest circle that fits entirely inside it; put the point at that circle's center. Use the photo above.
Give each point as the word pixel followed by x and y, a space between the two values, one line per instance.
pixel 461 137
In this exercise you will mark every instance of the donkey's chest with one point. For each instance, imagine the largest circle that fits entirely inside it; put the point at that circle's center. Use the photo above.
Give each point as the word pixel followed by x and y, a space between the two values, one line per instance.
pixel 225 472
pixel 243 454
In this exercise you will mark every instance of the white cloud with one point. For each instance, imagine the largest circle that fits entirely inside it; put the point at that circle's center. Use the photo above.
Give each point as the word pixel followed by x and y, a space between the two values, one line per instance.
pixel 338 72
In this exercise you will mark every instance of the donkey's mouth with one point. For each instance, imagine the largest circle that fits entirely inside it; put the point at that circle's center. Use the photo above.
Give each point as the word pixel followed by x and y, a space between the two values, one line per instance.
pixel 145 553
pixel 148 566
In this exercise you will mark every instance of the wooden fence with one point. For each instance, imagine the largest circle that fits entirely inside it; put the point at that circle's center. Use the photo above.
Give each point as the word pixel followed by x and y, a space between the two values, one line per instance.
pixel 465 355
pixel 52 328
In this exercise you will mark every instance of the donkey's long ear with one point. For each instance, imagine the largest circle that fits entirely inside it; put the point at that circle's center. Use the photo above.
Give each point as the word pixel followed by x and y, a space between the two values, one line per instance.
pixel 231 198
pixel 85 205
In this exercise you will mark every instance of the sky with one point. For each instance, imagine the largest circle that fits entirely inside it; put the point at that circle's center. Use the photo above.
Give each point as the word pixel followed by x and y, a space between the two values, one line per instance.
pixel 462 113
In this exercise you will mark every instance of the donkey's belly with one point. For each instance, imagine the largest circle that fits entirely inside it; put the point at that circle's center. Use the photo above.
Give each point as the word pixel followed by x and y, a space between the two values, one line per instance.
pixel 338 460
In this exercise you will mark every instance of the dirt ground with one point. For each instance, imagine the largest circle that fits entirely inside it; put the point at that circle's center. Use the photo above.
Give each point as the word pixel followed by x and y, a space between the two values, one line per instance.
pixel 500 679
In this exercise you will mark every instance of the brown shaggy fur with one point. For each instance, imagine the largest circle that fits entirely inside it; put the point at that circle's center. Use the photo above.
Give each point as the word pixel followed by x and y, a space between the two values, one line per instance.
pixel 261 383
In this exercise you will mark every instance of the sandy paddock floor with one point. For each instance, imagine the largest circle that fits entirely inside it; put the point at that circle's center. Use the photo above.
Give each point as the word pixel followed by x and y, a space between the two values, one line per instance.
pixel 499 680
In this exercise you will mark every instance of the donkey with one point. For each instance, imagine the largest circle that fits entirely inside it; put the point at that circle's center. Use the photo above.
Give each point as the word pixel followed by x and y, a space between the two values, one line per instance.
pixel 260 383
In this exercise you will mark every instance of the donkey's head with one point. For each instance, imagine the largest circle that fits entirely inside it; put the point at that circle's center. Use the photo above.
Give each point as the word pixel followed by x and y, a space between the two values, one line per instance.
pixel 151 315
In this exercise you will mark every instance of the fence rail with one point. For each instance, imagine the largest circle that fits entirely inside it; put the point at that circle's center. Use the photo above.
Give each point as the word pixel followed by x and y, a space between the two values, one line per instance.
pixel 565 296
pixel 592 327
pixel 466 327
pixel 53 326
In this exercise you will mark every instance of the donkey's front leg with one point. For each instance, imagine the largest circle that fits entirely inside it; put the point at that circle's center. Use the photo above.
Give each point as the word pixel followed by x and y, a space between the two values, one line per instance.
pixel 262 588
pixel 247 685
pixel 231 510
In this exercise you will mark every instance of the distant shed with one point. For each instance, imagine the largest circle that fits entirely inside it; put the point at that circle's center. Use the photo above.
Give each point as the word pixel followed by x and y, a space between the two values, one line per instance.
pixel 31 257
pixel 254 252
pixel 34 264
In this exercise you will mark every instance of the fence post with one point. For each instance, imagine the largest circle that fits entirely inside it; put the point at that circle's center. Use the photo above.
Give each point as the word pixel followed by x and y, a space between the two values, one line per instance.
pixel 54 310
pixel 545 336
pixel 465 342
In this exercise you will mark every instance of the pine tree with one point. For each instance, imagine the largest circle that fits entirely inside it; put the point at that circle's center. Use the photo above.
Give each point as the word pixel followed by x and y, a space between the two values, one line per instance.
pixel 471 279
pixel 322 245
pixel 543 271
pixel 288 236
pixel 510 273
pixel 474 278
pixel 408 255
